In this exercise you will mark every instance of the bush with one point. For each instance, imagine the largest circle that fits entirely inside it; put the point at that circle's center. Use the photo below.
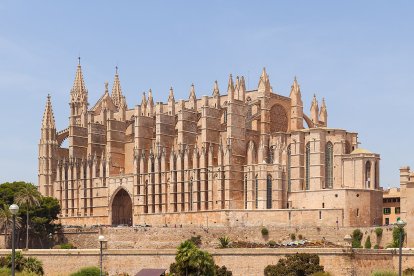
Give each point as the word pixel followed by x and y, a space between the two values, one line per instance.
pixel 224 242
pixel 292 236
pixel 357 238
pixel 376 246
pixel 222 271
pixel 367 244
pixel 298 264
pixel 409 271
pixel 272 243
pixel 66 246
pixel 87 271
pixel 19 261
pixel 378 232
pixel 34 265
pixel 384 273
pixel 265 232
pixel 396 237
pixel 196 240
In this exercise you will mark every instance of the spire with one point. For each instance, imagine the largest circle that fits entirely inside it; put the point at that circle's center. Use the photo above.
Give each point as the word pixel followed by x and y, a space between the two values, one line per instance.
pixel 116 90
pixel 171 95
pixel 230 89
pixel 314 110
pixel 150 99
pixel 241 90
pixel 192 99
pixel 264 83
pixel 216 91
pixel 144 100
pixel 323 114
pixel 48 120
pixel 295 94
pixel 79 93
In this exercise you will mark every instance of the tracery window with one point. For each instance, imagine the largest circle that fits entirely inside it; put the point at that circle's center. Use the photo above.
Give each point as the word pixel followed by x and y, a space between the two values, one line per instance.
pixel 289 157
pixel 256 180
pixel 368 174
pixel 245 192
pixel 269 192
pixel 307 166
pixel 329 165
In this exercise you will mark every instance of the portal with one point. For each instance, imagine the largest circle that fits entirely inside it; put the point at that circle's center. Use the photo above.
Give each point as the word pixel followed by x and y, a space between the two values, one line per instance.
pixel 122 208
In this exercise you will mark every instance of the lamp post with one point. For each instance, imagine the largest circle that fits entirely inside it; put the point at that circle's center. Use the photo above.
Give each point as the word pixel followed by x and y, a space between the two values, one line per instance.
pixel 400 224
pixel 14 209
pixel 101 239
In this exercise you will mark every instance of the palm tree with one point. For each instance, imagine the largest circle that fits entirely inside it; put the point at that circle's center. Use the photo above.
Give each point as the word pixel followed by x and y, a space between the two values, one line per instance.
pixel 6 221
pixel 29 197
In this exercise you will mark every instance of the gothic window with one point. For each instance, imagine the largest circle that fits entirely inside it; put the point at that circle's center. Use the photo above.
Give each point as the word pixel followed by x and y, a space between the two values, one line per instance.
pixel 269 192
pixel 347 147
pixel 307 166
pixel 368 174
pixel 245 192
pixel 270 157
pixel 256 184
pixel 278 119
pixel 329 165
pixel 289 157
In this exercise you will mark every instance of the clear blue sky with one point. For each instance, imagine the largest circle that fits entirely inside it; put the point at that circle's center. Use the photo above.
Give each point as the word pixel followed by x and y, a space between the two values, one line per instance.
pixel 356 54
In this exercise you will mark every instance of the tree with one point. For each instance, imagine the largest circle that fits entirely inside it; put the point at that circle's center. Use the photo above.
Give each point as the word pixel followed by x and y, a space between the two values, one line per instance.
pixel 28 197
pixel 300 264
pixel 191 261
pixel 357 238
pixel 6 221
pixel 368 243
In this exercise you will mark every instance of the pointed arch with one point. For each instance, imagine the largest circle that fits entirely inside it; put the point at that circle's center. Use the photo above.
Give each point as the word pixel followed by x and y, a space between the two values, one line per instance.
pixel 329 165
pixel 307 166
pixel 269 192
pixel 368 174
pixel 121 207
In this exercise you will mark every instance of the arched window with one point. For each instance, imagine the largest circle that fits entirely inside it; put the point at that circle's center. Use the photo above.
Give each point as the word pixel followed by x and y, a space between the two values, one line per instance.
pixel 245 192
pixel 368 174
pixel 307 166
pixel 190 190
pixel 329 165
pixel 289 158
pixel 256 184
pixel 269 192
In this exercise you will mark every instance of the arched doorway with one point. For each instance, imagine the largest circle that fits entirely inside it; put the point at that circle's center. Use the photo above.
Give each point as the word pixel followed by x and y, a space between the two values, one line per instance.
pixel 122 208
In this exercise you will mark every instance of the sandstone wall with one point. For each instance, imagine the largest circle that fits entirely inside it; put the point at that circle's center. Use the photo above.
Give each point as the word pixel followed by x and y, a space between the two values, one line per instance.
pixel 340 262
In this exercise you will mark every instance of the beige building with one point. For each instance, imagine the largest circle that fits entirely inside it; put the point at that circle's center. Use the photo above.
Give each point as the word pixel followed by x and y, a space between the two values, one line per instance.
pixel 254 154
pixel 391 206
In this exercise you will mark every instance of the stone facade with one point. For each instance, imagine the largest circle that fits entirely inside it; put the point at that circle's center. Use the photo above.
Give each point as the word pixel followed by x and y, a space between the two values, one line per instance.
pixel 391 206
pixel 244 151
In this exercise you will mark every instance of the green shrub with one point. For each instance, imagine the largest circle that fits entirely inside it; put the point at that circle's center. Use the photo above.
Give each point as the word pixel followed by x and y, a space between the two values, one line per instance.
pixel 19 261
pixel 384 273
pixel 376 246
pixel 357 238
pixel 34 265
pixel 367 244
pixel 297 264
pixel 222 271
pixel 378 232
pixel 87 271
pixel 265 232
pixel 196 240
pixel 66 246
pixel 3 261
pixel 292 236
pixel 409 271
pixel 272 243
pixel 224 242
pixel 396 237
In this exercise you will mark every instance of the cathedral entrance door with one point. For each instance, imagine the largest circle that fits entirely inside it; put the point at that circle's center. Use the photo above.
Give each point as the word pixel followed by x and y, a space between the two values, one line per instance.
pixel 122 208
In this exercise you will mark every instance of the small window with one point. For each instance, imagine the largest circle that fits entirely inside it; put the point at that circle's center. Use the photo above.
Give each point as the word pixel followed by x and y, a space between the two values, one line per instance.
pixel 357 212
pixel 397 210
pixel 387 221
pixel 320 214
pixel 323 204
pixel 387 211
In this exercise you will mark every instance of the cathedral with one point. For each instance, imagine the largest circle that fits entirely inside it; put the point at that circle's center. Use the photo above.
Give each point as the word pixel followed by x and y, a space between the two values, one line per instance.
pixel 243 157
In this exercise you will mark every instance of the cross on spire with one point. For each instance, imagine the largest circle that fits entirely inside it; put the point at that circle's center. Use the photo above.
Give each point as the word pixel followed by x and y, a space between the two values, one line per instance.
pixel 79 58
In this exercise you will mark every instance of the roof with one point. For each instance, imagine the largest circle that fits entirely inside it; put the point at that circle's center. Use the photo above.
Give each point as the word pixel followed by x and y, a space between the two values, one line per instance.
pixel 360 150
pixel 151 272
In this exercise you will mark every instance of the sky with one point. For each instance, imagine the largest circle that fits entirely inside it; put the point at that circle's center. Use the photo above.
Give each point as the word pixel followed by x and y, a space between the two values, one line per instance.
pixel 358 55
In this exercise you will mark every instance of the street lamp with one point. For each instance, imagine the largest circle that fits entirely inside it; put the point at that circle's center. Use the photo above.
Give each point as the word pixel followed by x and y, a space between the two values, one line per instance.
pixel 101 239
pixel 14 209
pixel 400 224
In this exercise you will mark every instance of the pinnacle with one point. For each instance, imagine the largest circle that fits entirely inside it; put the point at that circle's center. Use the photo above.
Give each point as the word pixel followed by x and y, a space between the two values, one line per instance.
pixel 230 86
pixel 116 90
pixel 216 90
pixel 48 120
pixel 192 92
pixel 150 99
pixel 79 93
pixel 171 95
pixel 144 100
